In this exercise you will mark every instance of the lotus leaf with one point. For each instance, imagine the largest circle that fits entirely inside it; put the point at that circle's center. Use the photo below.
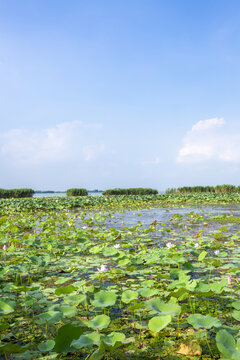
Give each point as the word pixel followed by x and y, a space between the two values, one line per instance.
pixel 158 323
pixel 104 298
pixel 47 346
pixel 203 321
pixel 86 340
pixel 157 305
pixel 66 334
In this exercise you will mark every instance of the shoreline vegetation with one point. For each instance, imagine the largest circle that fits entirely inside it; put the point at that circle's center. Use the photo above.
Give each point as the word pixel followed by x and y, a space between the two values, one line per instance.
pixel 224 189
pixel 218 189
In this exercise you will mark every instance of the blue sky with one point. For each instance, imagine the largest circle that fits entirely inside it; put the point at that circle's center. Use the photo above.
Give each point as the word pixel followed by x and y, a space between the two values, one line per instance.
pixel 124 93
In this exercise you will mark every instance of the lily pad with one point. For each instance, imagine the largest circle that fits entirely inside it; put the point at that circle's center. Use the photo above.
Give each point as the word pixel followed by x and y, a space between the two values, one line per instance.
pixel 99 322
pixel 104 298
pixel 128 296
pixel 158 323
pixel 203 321
pixel 47 346
pixel 162 308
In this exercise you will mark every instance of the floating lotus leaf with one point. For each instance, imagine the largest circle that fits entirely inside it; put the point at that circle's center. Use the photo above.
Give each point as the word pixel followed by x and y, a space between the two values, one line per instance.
pixel 129 295
pixel 158 323
pixel 164 309
pixel 203 321
pixel 104 298
pixel 99 322
pixel 75 299
pixel 63 290
pixel 110 251
pixel 68 311
pixel 124 261
pixel 50 317
pixel 47 346
pixel 146 292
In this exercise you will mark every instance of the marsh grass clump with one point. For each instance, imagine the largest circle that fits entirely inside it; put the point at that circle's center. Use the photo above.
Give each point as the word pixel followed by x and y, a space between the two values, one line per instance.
pixel 16 193
pixel 76 192
pixel 131 191
pixel 218 189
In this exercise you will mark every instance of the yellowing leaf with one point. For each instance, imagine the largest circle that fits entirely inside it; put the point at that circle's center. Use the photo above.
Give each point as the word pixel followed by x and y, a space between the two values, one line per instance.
pixel 190 349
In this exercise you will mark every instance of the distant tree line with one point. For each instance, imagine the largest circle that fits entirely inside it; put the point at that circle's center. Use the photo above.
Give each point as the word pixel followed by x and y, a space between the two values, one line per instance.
pixel 225 188
pixel 16 193
pixel 131 191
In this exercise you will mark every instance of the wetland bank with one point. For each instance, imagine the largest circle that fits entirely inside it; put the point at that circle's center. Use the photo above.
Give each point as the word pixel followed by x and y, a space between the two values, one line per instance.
pixel 110 277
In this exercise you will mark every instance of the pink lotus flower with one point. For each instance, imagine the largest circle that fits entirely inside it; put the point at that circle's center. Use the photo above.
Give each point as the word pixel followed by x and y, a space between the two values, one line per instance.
pixel 229 280
pixel 216 252
pixel 4 247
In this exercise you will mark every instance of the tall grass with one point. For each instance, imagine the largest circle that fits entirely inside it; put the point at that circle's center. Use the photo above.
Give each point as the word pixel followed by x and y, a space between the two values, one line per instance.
pixel 223 189
pixel 131 191
pixel 76 192
pixel 16 193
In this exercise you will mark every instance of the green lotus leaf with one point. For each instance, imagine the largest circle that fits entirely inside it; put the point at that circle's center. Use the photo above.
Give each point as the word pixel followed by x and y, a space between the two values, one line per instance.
pixel 75 299
pixel 63 290
pixel 50 317
pixel 202 255
pixel 47 346
pixel 110 251
pixel 146 292
pixel 86 340
pixel 113 340
pixel 7 306
pixel 95 249
pixel 203 321
pixel 66 335
pixel 236 315
pixel 68 311
pixel 104 298
pixel 236 304
pixel 12 348
pixel 164 309
pixel 218 286
pixel 158 323
pixel 227 346
pixel 99 322
pixel 129 295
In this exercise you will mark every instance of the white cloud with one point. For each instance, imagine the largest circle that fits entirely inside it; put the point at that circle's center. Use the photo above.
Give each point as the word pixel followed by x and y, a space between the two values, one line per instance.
pixel 208 140
pixel 208 124
pixel 65 140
